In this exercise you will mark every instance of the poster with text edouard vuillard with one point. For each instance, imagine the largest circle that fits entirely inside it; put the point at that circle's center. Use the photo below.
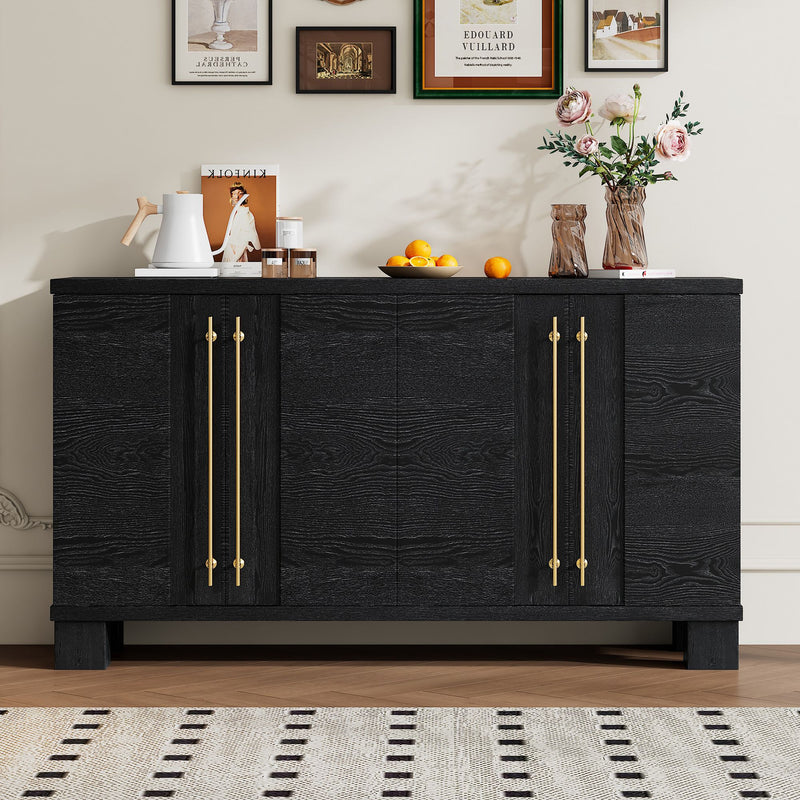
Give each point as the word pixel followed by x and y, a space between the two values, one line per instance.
pixel 488 48
pixel 222 41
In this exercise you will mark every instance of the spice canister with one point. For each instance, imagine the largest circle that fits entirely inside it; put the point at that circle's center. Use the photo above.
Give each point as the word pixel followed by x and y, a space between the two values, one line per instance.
pixel 289 232
pixel 303 263
pixel 275 262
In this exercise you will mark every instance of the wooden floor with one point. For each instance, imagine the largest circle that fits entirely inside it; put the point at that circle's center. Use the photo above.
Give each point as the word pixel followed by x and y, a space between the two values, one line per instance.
pixel 395 676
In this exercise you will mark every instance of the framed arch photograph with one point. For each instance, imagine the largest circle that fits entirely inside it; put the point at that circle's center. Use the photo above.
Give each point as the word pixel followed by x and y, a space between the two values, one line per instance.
pixel 222 42
pixel 335 60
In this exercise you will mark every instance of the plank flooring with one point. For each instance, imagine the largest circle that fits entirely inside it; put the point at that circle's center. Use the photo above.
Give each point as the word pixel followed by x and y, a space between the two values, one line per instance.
pixel 405 676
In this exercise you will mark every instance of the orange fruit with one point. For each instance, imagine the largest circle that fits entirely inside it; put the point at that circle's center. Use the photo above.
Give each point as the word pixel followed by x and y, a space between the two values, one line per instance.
pixel 397 261
pixel 497 267
pixel 446 261
pixel 419 261
pixel 418 248
pixel 432 261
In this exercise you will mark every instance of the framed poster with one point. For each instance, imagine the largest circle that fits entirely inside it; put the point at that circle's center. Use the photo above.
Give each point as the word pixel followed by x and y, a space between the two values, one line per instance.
pixel 337 60
pixel 632 38
pixel 488 48
pixel 222 41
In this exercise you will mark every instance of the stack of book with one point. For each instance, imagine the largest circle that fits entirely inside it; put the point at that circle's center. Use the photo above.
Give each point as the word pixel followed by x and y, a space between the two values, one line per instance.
pixel 631 274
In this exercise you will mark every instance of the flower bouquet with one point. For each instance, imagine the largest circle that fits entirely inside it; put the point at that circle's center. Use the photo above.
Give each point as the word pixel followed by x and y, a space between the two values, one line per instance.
pixel 626 164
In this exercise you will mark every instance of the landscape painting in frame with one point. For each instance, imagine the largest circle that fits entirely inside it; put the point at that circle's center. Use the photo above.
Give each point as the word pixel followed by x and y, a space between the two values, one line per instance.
pixel 628 37
pixel 222 41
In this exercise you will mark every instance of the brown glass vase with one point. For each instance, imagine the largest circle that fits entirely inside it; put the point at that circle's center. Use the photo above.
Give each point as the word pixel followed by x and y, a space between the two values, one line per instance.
pixel 625 245
pixel 568 259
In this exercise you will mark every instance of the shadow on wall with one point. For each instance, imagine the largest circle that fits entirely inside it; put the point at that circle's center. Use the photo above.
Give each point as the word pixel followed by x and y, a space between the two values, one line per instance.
pixel 94 251
pixel 26 406
pixel 90 251
pixel 488 210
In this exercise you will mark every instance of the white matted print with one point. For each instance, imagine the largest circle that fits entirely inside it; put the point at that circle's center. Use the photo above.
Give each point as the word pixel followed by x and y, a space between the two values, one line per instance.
pixel 488 12
pixel 630 37
pixel 503 41
pixel 222 41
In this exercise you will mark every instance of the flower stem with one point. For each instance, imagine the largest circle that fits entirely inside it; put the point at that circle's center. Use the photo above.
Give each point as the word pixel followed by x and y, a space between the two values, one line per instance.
pixel 632 138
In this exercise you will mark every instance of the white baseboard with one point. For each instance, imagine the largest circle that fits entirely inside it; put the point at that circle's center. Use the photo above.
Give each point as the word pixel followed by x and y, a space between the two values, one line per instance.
pixel 770 581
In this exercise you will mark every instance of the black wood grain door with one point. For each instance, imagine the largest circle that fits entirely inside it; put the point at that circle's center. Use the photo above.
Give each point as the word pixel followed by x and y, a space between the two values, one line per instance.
pixel 537 475
pixel 682 387
pixel 198 462
pixel 257 485
pixel 455 451
pixel 204 462
pixel 338 450
pixel 111 426
pixel 601 404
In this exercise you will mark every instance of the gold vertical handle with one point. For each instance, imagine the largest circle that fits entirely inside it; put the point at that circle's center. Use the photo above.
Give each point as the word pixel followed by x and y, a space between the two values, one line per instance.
pixel 554 562
pixel 582 336
pixel 211 562
pixel 238 337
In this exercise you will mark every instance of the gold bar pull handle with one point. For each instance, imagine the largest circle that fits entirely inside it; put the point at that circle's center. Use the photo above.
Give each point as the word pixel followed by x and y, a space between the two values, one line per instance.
pixel 238 337
pixel 211 562
pixel 582 336
pixel 554 562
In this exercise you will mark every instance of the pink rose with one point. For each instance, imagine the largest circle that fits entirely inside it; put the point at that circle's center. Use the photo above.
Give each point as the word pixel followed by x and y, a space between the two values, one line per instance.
pixel 573 108
pixel 587 145
pixel 672 142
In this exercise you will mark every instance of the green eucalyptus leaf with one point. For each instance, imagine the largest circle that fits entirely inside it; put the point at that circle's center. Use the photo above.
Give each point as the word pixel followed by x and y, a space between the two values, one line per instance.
pixel 619 145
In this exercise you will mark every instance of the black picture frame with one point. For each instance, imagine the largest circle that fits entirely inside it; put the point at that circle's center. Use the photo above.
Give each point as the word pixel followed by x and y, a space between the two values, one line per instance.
pixel 383 64
pixel 622 65
pixel 549 84
pixel 263 65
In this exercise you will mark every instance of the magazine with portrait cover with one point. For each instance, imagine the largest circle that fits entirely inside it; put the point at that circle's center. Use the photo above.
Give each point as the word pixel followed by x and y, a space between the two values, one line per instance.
pixel 253 225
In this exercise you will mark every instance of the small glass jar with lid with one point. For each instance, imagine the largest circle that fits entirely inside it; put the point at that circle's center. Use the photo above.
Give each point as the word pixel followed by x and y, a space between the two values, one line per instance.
pixel 275 262
pixel 303 263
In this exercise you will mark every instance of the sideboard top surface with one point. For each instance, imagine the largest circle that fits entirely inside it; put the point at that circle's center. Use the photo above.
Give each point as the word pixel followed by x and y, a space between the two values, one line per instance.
pixel 389 286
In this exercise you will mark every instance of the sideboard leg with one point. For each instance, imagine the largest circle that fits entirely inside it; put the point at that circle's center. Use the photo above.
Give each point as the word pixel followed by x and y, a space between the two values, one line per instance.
pixel 679 636
pixel 116 637
pixel 81 645
pixel 712 645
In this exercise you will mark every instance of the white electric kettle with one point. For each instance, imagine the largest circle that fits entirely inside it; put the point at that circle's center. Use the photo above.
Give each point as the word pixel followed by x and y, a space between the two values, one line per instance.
pixel 182 241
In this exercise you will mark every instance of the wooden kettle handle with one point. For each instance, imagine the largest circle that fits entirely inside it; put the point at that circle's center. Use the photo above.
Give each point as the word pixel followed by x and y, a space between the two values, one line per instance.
pixel 145 210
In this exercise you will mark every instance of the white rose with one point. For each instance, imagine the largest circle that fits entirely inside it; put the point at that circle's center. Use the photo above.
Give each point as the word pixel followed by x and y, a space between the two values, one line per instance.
pixel 618 106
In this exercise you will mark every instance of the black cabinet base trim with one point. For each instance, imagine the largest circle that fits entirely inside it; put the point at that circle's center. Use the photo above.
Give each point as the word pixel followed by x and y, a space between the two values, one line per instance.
pixel 400 613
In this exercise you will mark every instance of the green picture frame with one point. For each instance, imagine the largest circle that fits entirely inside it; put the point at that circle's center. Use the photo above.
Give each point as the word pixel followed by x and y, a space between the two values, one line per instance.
pixel 490 48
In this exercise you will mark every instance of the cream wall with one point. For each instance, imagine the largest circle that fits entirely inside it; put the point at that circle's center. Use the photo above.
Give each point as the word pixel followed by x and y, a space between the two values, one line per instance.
pixel 89 121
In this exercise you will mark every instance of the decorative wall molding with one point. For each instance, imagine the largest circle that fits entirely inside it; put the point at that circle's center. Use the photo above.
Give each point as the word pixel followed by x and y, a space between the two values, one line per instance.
pixel 771 565
pixel 771 524
pixel 26 563
pixel 14 515
pixel 44 563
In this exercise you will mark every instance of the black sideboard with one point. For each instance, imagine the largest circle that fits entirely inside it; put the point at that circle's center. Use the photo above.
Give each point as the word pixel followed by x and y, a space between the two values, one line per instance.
pixel 377 449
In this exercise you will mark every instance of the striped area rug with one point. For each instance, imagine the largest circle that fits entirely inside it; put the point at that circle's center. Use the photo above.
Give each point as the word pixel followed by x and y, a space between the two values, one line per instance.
pixel 418 753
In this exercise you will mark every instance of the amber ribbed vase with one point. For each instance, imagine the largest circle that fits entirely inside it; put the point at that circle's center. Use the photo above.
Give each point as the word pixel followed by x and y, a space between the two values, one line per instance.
pixel 625 245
